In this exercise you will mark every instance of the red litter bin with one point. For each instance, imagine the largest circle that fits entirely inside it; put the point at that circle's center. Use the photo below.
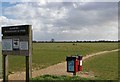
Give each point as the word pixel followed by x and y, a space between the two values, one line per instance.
pixel 80 63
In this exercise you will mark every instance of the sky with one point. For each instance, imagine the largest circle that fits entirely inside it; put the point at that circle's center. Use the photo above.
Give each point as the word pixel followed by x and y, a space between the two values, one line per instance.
pixel 64 20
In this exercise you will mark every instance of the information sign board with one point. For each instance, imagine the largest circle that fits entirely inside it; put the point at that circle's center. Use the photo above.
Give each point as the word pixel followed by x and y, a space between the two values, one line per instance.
pixel 17 40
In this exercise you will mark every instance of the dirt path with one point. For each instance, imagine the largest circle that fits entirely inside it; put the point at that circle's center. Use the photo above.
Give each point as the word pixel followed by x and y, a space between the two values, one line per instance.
pixel 58 69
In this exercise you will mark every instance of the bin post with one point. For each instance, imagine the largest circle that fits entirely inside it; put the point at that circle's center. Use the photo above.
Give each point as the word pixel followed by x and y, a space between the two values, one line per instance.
pixel 74 73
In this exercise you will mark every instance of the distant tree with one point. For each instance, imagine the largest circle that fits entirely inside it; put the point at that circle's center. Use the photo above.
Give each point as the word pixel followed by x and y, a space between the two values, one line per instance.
pixel 52 40
pixel 34 41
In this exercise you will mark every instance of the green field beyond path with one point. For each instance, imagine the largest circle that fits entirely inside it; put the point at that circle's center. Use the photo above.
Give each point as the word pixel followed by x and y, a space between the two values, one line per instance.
pixel 105 66
pixel 46 54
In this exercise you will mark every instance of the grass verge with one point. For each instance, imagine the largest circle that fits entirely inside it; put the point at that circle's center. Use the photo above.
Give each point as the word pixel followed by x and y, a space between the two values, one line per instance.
pixel 54 77
pixel 105 67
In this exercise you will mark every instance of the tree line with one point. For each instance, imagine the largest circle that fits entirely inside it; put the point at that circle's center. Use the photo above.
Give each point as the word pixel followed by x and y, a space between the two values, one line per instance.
pixel 53 41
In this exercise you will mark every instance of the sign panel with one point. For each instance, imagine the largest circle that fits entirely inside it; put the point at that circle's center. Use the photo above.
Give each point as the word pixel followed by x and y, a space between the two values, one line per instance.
pixel 7 44
pixel 15 30
pixel 71 65
pixel 16 44
pixel 24 45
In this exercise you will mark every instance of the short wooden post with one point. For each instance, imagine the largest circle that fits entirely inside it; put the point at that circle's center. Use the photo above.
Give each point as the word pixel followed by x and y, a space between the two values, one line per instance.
pixel 5 68
pixel 27 69
pixel 74 74
pixel 30 67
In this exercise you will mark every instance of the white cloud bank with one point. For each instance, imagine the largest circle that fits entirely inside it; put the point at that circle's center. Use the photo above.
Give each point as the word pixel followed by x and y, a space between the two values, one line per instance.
pixel 65 20
pixel 43 1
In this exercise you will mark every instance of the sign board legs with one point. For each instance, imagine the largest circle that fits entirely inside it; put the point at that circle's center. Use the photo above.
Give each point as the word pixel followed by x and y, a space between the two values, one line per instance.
pixel 28 69
pixel 5 68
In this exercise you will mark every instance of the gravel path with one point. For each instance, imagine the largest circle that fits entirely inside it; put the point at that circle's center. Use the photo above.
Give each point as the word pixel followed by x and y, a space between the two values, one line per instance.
pixel 58 69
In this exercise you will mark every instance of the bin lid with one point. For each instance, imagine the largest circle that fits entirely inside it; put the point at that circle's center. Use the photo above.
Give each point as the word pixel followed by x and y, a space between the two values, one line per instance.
pixel 80 57
pixel 75 56
pixel 70 58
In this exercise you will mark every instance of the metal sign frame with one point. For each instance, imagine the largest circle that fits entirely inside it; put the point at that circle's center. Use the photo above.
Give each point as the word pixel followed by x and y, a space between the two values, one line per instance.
pixel 17 40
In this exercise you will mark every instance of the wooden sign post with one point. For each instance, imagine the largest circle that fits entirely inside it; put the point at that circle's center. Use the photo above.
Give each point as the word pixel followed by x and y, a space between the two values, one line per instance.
pixel 17 40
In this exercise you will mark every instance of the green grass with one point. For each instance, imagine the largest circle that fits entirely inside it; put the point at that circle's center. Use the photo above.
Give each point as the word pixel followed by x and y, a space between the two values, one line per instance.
pixel 104 66
pixel 53 77
pixel 46 54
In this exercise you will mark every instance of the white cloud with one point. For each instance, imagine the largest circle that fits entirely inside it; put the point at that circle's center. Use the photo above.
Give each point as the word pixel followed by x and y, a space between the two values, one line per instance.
pixel 65 21
pixel 75 6
pixel 43 1
pixel 4 21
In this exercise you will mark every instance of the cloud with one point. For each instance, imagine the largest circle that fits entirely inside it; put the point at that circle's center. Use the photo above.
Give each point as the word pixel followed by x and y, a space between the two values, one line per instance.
pixel 60 1
pixel 65 20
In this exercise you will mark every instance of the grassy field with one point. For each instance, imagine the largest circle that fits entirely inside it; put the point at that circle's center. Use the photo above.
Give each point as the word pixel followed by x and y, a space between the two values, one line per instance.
pixel 46 54
pixel 104 66
pixel 53 77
